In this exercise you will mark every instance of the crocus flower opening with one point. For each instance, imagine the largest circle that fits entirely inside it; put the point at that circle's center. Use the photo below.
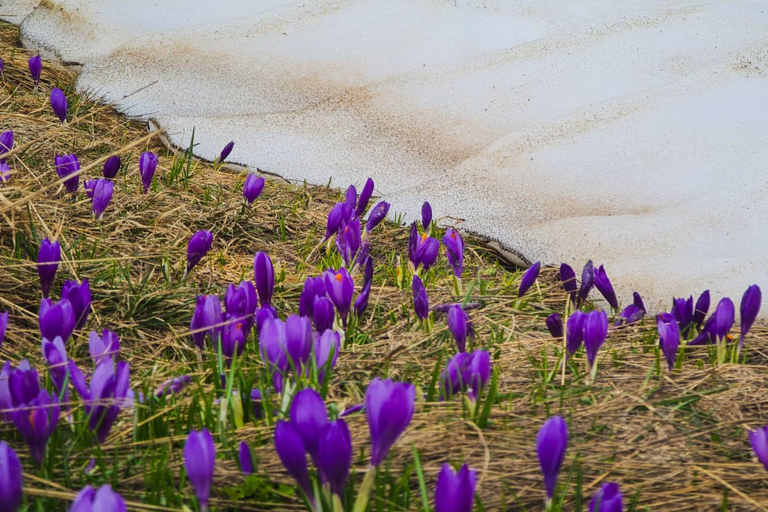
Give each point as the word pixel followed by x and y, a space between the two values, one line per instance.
pixel 10 478
pixel 36 419
pixel 226 151
pixel 102 195
pixel 56 319
pixel 529 278
pixel 200 462
pixel 595 331
pixel 669 337
pixel 313 287
pixel 35 68
pixel 378 214
pixel 273 351
pixel 207 316
pixel 460 326
pixel 426 215
pixel 455 492
pixel 147 168
pixel 759 440
pixel 233 334
pixel 568 278
pixel 349 240
pixel 603 284
pixel 48 258
pixel 682 310
pixel 607 499
pixel 454 250
pixel 3 326
pixel 108 393
pixel 587 280
pixel 111 167
pixel 551 445
pixel 59 104
pixel 290 448
pixel 252 188
pixel 420 300
pixel 750 307
pixel 241 302
pixel 66 167
pixel 5 172
pixel 555 325
pixel 264 274
pixel 335 454
pixel 389 408
pixel 340 288
pixel 365 197
pixel 79 295
pixel 198 247
pixel 103 500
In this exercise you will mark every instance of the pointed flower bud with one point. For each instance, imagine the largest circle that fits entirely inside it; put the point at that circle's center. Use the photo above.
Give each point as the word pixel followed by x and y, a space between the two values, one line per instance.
pixel 226 151
pixel 529 278
pixel 420 299
pixel 246 459
pixel 147 168
pixel 56 319
pixel 574 330
pixel 35 68
pixel 79 295
pixel 66 167
pixel 607 499
pixel 10 478
pixel 702 308
pixel 603 284
pixel 365 197
pixel 327 347
pixel 378 214
pixel 335 454
pixel 568 278
pixel 59 104
pixel 587 280
pixel 253 187
pixel 551 445
pixel 455 492
pixel 197 247
pixel 290 449
pixel 264 274
pixel 426 215
pixel 48 258
pixel 389 409
pixel 669 337
pixel 200 462
pixel 111 167
pixel 595 331
pixel 750 307
pixel 460 326
pixel 102 195
pixel 555 325
pixel 308 417
pixel 340 288
pixel 454 250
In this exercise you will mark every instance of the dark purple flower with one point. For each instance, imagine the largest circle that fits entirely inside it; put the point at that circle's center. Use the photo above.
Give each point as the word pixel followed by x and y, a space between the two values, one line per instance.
pixel 339 213
pixel 111 167
pixel 103 500
pixel 3 326
pixel 669 337
pixel 574 331
pixel 102 195
pixel 603 284
pixel 10 478
pixel 725 315
pixel 226 151
pixel 420 299
pixel 389 408
pixel 750 307
pixel 452 378
pixel 426 215
pixel 262 314
pixel 258 411
pixel 529 278
pixel 349 240
pixel 88 186
pixel 759 440
pixel 454 250
pixel 35 68
pixel 253 187
pixel 423 249
pixel 173 385
pixel 6 142
pixel 638 301
pixel 298 340
pixel 340 288
pixel 682 311
pixel 197 247
pixel 595 331
pixel 264 274
pixel 206 320
pixel 361 302
pixel 551 445
pixel 55 355
pixel 335 454
pixel 107 394
pixel 308 417
pixel 607 499
pixel 48 258
pixel 350 198
pixel 290 449
pixel 378 214
pixel 147 168
pixel 555 325
pixel 477 373
pixel 5 172
pixel 630 315
pixel 240 302
pixel 200 462
pixel 36 420
pixel 273 350
pixel 233 335
pixel 66 167
pixel 23 385
pixel 455 492
pixel 323 314
pixel 327 347
pixel 587 280
pixel 313 287
pixel 56 319
pixel 246 459
pixel 702 308
pixel 365 197
pixel 460 326
pixel 59 104
pixel 568 278
pixel 79 295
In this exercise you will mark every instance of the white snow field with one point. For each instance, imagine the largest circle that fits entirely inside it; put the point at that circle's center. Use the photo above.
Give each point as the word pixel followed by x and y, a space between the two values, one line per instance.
pixel 631 132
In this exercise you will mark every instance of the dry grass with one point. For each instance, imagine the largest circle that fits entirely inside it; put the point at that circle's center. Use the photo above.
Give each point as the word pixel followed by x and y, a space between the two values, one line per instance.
pixel 680 439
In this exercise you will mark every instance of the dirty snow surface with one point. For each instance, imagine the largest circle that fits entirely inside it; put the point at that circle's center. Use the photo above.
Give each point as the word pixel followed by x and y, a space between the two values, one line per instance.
pixel 632 132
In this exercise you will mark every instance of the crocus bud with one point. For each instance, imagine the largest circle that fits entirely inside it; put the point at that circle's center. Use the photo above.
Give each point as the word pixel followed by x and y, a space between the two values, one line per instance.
pixel 207 316
pixel 111 167
pixel 246 459
pixel 555 325
pixel 102 195
pixel 669 337
pixel 378 214
pixel 340 288
pixel 630 314
pixel 725 315
pixel 313 287
pixel 587 280
pixel 452 378
pixel 56 319
pixel 551 445
pixel 574 331
pixel 459 326
pixel 48 258
pixel 198 247
pixel 595 331
pixel 68 165
pixel 10 478
pixel 253 187
pixel 701 310
pixel 338 213
pixel 298 340
pixel 351 198
pixel 529 278
pixel 750 307
pixel 36 420
pixel 200 462
pixel 568 278
pixel 454 250
pixel 3 326
pixel 79 295
pixel 290 449
pixel 603 284
pixel 273 351
pixel 264 274
pixel 477 373
pixel 335 454
pixel 103 500
pixel 759 440
pixel 607 499
pixel 258 411
pixel 327 347
pixel 389 409
pixel 423 249
pixel 323 313
pixel 59 104
pixel 147 168
pixel 35 68
pixel 55 355
pixel 365 196
pixel 233 336
pixel 240 302
pixel 308 417
pixel 6 142
pixel 5 172
pixel 426 215
pixel 455 492
pixel 226 151
pixel 682 311
pixel 420 299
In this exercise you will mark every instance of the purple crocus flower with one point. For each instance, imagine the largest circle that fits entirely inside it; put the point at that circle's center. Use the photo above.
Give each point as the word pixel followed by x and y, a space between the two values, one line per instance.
pixel 759 440
pixel 240 302
pixel 587 280
pixel 147 168
pixel 66 167
pixel 264 274
pixel 749 308
pixel 102 195
pixel 630 315
pixel 423 249
pixel 551 445
pixel 233 334
pixel 568 278
pixel 682 311
pixel 246 459
pixel 173 385
pixel 107 394
pixel 327 347
pixel 452 378
pixel 35 68
pixel 339 213
pixel 529 278
pixel 56 319
pixel 702 308
pixel 252 188
pixel 460 326
pixel 103 500
pixel 454 250
pixel 200 462
pixel 79 295
pixel 349 240
pixel 10 478
pixel 48 258
pixel 308 417
pixel 36 420
pixel 197 247
pixel 273 350
pixel 88 186
pixel 6 142
pixel 5 172
pixel 290 449
pixel 365 197
pixel 603 284
pixel 23 385
pixel 725 315
pixel 313 287
pixel 389 408
pixel 3 326
pixel 455 492
pixel 111 167
pixel 226 151
pixel 350 198
pixel 420 299
pixel 426 215
pixel 361 302
pixel 340 288
pixel 595 331
pixel 323 313
pixel 555 325
pixel 55 355
pixel 298 340
pixel 607 499
pixel 669 337
pixel 477 373
pixel 258 412
pixel 59 104
pixel 378 214
pixel 334 458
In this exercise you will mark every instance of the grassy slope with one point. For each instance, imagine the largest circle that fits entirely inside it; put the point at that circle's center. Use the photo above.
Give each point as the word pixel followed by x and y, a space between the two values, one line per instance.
pixel 679 439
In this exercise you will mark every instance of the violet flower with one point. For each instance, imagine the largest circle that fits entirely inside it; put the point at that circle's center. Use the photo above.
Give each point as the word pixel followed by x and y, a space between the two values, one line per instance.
pixel 11 479
pixel 725 315
pixel 759 440
pixel 79 295
pixel 35 68
pixel 253 187
pixel 587 280
pixel 378 214
pixel 313 287
pixel 574 331
pixel 365 197
pixel 350 198
pixel 426 215
pixel 233 335
pixel 323 314
pixel 669 337
pixel 59 104
pixel 206 320
pixel 103 500
pixel 452 379
pixel 240 302
pixel 339 213
pixel 607 499
pixel 309 416
pixel 454 250
pixel 197 247
pixel 55 356
pixel 89 186
pixel 66 167
pixel 702 308
pixel 3 325
pixel 595 331
pixel 273 351
pixel 6 143
pixel 420 299
pixel 102 195
pixel 5 172
pixel 422 250
pixel 477 373
pixel 245 455
pixel 340 287
pixel 555 325
pixel 258 411
pixel 36 420
pixel 147 168
pixel 389 409
pixel 749 308
pixel 107 394
pixel 226 151
pixel 551 445
pixel 460 326
pixel 682 311
pixel 299 340
pixel 349 240
pixel 334 458
pixel 56 319
pixel 290 448
pixel 455 492
pixel 529 278
pixel 630 315
pixel 200 462
pixel 264 273
pixel 111 167
pixel 361 302
pixel 568 278
pixel 173 385
pixel 327 348
pixel 603 284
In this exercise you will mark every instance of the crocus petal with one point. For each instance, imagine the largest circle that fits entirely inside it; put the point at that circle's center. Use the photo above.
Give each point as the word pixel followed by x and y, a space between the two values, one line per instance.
pixel 595 331
pixel 426 215
pixel 669 337
pixel 455 492
pixel 555 325
pixel 420 299
pixel 750 307
pixel 759 440
pixel 10 478
pixel 335 454
pixel 308 417
pixel 607 499
pixel 264 275
pixel 59 104
pixel 529 278
pixel 200 461
pixel 389 409
pixel 290 449
pixel 603 284
pixel 551 445
pixel 253 187
pixel 365 197
pixel 226 151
